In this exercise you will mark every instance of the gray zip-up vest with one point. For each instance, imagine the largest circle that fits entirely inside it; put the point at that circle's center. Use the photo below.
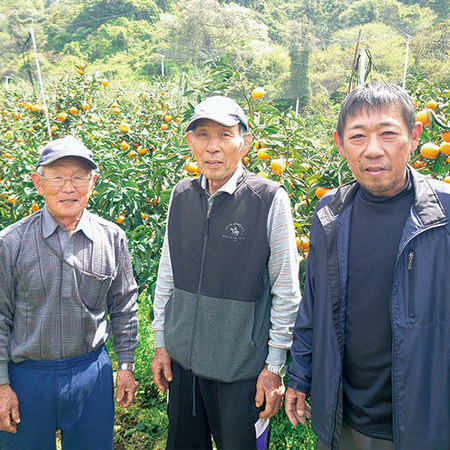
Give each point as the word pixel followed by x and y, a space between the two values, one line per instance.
pixel 218 319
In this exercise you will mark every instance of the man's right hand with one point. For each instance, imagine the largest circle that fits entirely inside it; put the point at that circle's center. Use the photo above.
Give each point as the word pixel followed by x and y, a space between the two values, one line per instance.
pixel 9 409
pixel 297 409
pixel 162 368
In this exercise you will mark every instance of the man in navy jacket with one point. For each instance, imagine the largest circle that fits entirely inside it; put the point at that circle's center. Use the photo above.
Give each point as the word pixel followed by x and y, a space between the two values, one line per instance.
pixel 372 337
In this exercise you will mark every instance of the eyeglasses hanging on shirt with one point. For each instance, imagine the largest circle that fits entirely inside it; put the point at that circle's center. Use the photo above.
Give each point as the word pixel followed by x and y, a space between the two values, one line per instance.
pixel 85 272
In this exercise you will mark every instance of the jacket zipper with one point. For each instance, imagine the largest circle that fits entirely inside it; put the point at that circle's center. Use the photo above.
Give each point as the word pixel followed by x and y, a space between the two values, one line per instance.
pixel 208 216
pixel 411 306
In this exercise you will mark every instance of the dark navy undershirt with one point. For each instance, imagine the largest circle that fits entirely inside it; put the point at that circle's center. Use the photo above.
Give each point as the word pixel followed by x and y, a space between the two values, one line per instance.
pixel 376 229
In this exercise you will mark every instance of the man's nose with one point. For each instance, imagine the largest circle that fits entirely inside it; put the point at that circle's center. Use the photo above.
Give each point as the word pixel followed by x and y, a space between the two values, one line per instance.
pixel 374 148
pixel 68 185
pixel 212 144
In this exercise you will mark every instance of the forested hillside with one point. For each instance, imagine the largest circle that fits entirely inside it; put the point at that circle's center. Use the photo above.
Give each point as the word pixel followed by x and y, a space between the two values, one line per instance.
pixel 294 48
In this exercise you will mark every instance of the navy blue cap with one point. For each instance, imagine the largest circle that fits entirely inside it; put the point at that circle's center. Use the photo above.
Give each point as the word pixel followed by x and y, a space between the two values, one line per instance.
pixel 61 148
pixel 221 109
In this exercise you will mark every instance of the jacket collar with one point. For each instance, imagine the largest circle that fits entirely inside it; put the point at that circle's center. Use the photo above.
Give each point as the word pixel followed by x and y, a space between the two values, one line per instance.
pixel 426 202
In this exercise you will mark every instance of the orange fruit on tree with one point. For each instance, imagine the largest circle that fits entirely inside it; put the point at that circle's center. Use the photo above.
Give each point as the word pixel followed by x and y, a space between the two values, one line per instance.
pixel 132 154
pixel 445 148
pixel 445 135
pixel 16 116
pixel 302 243
pixel 191 167
pixel 73 110
pixel 34 207
pixel 80 71
pixel 167 118
pixel 11 199
pixel 447 179
pixel 258 92
pixel 142 150
pixel 321 191
pixel 164 126
pixel 423 116
pixel 246 160
pixel 429 150
pixel 116 111
pixel 120 218
pixel 124 145
pixel 62 116
pixel 418 164
pixel 124 127
pixel 262 155
pixel 81 65
pixel 431 104
pixel 35 108
pixel 105 82
pixel 278 166
pixel 143 216
pixel 85 106
pixel 7 155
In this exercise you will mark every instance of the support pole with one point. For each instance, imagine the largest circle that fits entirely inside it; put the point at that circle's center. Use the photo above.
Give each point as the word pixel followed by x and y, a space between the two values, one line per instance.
pixel 406 62
pixel 44 103
pixel 362 68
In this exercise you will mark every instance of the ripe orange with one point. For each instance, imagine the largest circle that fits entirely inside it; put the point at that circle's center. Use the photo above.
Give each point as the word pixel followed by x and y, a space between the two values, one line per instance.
pixel 278 166
pixel 320 191
pixel 7 155
pixel 262 155
pixel 132 154
pixel 429 150
pixel 16 116
pixel 431 104
pixel 445 148
pixel 120 218
pixel 73 110
pixel 124 145
pixel 81 65
pixel 423 116
pixel 105 82
pixel 80 71
pixel 418 164
pixel 116 111
pixel 191 167
pixel 62 116
pixel 246 160
pixel 258 92
pixel 445 135
pixel 35 108
pixel 142 150
pixel 167 118
pixel 124 127
pixel 152 201
pixel 85 106
pixel 143 216
pixel 164 126
pixel 34 207
pixel 11 199
pixel 447 179
pixel 302 243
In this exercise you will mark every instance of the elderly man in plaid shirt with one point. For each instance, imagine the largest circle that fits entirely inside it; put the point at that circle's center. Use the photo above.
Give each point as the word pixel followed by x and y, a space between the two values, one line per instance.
pixel 66 285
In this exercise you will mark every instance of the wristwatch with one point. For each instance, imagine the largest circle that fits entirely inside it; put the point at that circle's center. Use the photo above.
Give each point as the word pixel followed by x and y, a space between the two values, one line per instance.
pixel 127 366
pixel 277 370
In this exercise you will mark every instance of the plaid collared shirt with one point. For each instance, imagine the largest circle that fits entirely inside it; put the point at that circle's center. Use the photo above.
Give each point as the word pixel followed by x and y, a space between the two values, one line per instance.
pixel 50 310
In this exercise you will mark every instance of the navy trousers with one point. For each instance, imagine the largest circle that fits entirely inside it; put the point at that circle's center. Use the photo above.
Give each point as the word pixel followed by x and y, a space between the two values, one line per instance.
pixel 74 395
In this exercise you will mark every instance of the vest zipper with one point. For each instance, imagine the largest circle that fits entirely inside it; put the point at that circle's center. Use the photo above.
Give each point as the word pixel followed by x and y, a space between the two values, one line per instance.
pixel 208 215
pixel 412 311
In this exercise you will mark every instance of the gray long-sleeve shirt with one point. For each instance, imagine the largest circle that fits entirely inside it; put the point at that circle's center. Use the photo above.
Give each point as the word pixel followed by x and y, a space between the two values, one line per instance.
pixel 50 310
pixel 282 268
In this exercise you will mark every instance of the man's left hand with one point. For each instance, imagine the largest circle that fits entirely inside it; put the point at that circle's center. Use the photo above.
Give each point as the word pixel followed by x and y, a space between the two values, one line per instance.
pixel 270 388
pixel 126 388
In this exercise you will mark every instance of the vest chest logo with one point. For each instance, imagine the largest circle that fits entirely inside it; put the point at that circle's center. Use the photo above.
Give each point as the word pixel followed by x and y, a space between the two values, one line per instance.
pixel 234 232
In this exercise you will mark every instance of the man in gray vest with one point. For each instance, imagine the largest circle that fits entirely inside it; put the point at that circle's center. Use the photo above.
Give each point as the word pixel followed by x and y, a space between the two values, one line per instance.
pixel 227 291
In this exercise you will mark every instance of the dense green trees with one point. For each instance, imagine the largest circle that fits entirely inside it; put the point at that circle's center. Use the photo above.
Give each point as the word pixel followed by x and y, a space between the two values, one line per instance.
pixel 294 48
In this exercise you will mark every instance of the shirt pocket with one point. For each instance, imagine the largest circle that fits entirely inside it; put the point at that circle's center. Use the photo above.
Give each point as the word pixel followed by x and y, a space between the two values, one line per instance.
pixel 93 291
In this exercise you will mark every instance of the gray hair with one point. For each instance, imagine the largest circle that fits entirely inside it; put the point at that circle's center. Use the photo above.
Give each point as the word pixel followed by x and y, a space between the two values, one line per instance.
pixel 376 95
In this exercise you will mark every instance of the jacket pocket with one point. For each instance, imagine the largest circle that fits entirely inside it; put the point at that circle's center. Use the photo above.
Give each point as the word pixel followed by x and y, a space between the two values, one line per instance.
pixel 93 291
pixel 411 304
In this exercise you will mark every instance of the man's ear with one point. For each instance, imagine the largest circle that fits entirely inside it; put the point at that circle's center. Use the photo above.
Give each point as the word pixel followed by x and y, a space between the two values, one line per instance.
pixel 415 136
pixel 37 181
pixel 247 144
pixel 189 139
pixel 339 144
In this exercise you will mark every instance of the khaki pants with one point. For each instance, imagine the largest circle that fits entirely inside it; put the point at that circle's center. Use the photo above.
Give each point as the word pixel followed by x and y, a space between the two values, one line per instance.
pixel 353 440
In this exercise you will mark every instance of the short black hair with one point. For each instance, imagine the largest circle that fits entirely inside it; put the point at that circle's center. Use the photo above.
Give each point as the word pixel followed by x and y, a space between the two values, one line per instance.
pixel 376 95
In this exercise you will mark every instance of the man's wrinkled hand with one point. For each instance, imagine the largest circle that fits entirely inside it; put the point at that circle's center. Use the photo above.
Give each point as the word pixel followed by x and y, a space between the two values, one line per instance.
pixel 9 409
pixel 162 369
pixel 297 409
pixel 269 388
pixel 126 388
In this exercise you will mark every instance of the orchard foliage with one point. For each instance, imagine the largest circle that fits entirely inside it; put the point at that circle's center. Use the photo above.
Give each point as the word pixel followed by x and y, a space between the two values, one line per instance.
pixel 140 147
